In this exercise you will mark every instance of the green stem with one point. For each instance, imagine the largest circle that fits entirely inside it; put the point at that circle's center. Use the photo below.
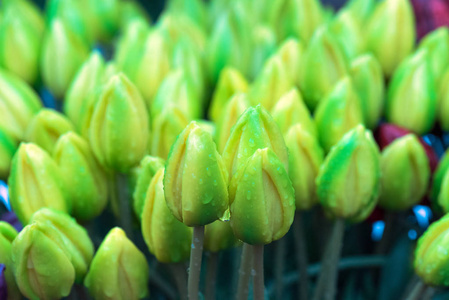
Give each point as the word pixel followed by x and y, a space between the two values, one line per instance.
pixel 417 291
pixel 125 211
pixel 259 286
pixel 244 273
pixel 327 281
pixel 211 278
pixel 279 255
pixel 196 255
pixel 180 276
pixel 301 250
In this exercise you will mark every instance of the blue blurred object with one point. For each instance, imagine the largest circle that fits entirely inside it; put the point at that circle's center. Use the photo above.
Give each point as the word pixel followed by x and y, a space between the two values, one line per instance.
pixel 412 234
pixel 423 215
pixel 4 195
pixel 436 144
pixel 378 230
pixel 3 287
pixel 49 100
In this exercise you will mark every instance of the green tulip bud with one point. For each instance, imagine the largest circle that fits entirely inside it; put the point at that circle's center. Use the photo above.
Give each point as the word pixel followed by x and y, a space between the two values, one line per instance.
pixel 361 8
pixel 20 41
pixel 7 236
pixel 8 147
pixel 19 102
pixel 148 168
pixel 27 10
pixel 405 173
pixel 35 182
pixel 261 199
pixel 324 64
pixel 413 87
pixel 41 267
pixel 291 110
pixel 46 127
pixel 346 27
pixel 431 254
pixel 255 129
pixel 264 45
pixel 105 17
pixel 368 80
pixel 62 55
pixel 305 158
pixel 443 101
pixel 166 237
pixel 194 9
pixel 273 82
pixel 196 179
pixel 338 113
pixel 119 129
pixel 437 44
pixel 71 237
pixel 440 188
pixel 119 270
pixel 391 33
pixel 132 10
pixel 291 52
pixel 231 81
pixel 84 177
pixel 348 181
pixel 229 116
pixel 218 236
pixel 207 126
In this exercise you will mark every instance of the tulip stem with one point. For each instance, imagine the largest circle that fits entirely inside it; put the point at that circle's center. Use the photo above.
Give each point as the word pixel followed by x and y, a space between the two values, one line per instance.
pixel 179 274
pixel 211 278
pixel 196 254
pixel 125 212
pixel 244 273
pixel 417 291
pixel 301 250
pixel 279 266
pixel 259 287
pixel 327 281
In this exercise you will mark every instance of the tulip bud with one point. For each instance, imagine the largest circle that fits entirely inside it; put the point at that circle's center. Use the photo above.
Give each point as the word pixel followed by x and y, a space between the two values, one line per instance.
pixel 118 269
pixel 261 199
pixel 264 45
pixel 71 237
pixel 148 168
pixel 290 110
pixel 229 116
pixel 133 10
pixel 291 52
pixel 349 179
pixel 105 17
pixel 305 158
pixel 230 82
pixel 437 44
pixel 41 268
pixel 273 82
pixel 167 238
pixel 7 236
pixel 405 173
pixel 440 184
pixel 62 55
pixel 368 80
pixel 8 147
pixel 347 28
pixel 361 8
pixel 46 127
pixel 391 33
pixel 413 87
pixel 431 257
pixel 207 126
pixel 443 101
pixel 324 64
pixel 194 9
pixel 255 129
pixel 339 112
pixel 19 103
pixel 121 114
pixel 218 236
pixel 196 179
pixel 84 177
pixel 27 10
pixel 35 182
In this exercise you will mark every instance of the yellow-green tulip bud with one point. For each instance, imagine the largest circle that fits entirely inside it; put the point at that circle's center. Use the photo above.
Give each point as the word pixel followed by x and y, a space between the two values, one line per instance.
pixel 405 173
pixel 324 64
pixel 440 184
pixel 7 236
pixel 194 9
pixel 368 80
pixel 196 179
pixel 62 55
pixel 88 78
pixel 361 9
pixel 229 116
pixel 119 129
pixel 41 268
pixel 349 179
pixel 338 113
pixel 166 237
pixel 305 158
pixel 119 270
pixel 35 182
pixel 46 127
pixel 19 103
pixel 28 11
pixel 411 98
pixel 218 236
pixel 105 17
pixel 85 179
pixel 8 147
pixel 348 31
pixel 261 199
pixel 271 83
pixel 443 101
pixel 290 110
pixel 132 10
pixel 255 129
pixel 71 237
pixel 391 33
pixel 148 168
pixel 231 81
pixel 437 43
pixel 207 126
pixel 264 45
pixel 291 52
pixel 431 257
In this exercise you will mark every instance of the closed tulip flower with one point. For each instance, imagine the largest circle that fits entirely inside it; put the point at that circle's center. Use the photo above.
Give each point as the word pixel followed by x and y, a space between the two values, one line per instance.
pixel 439 179
pixel 7 236
pixel 291 52
pixel 443 101
pixel 8 147
pixel 361 8
pixel 437 43
pixel 218 236
pixel 348 30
